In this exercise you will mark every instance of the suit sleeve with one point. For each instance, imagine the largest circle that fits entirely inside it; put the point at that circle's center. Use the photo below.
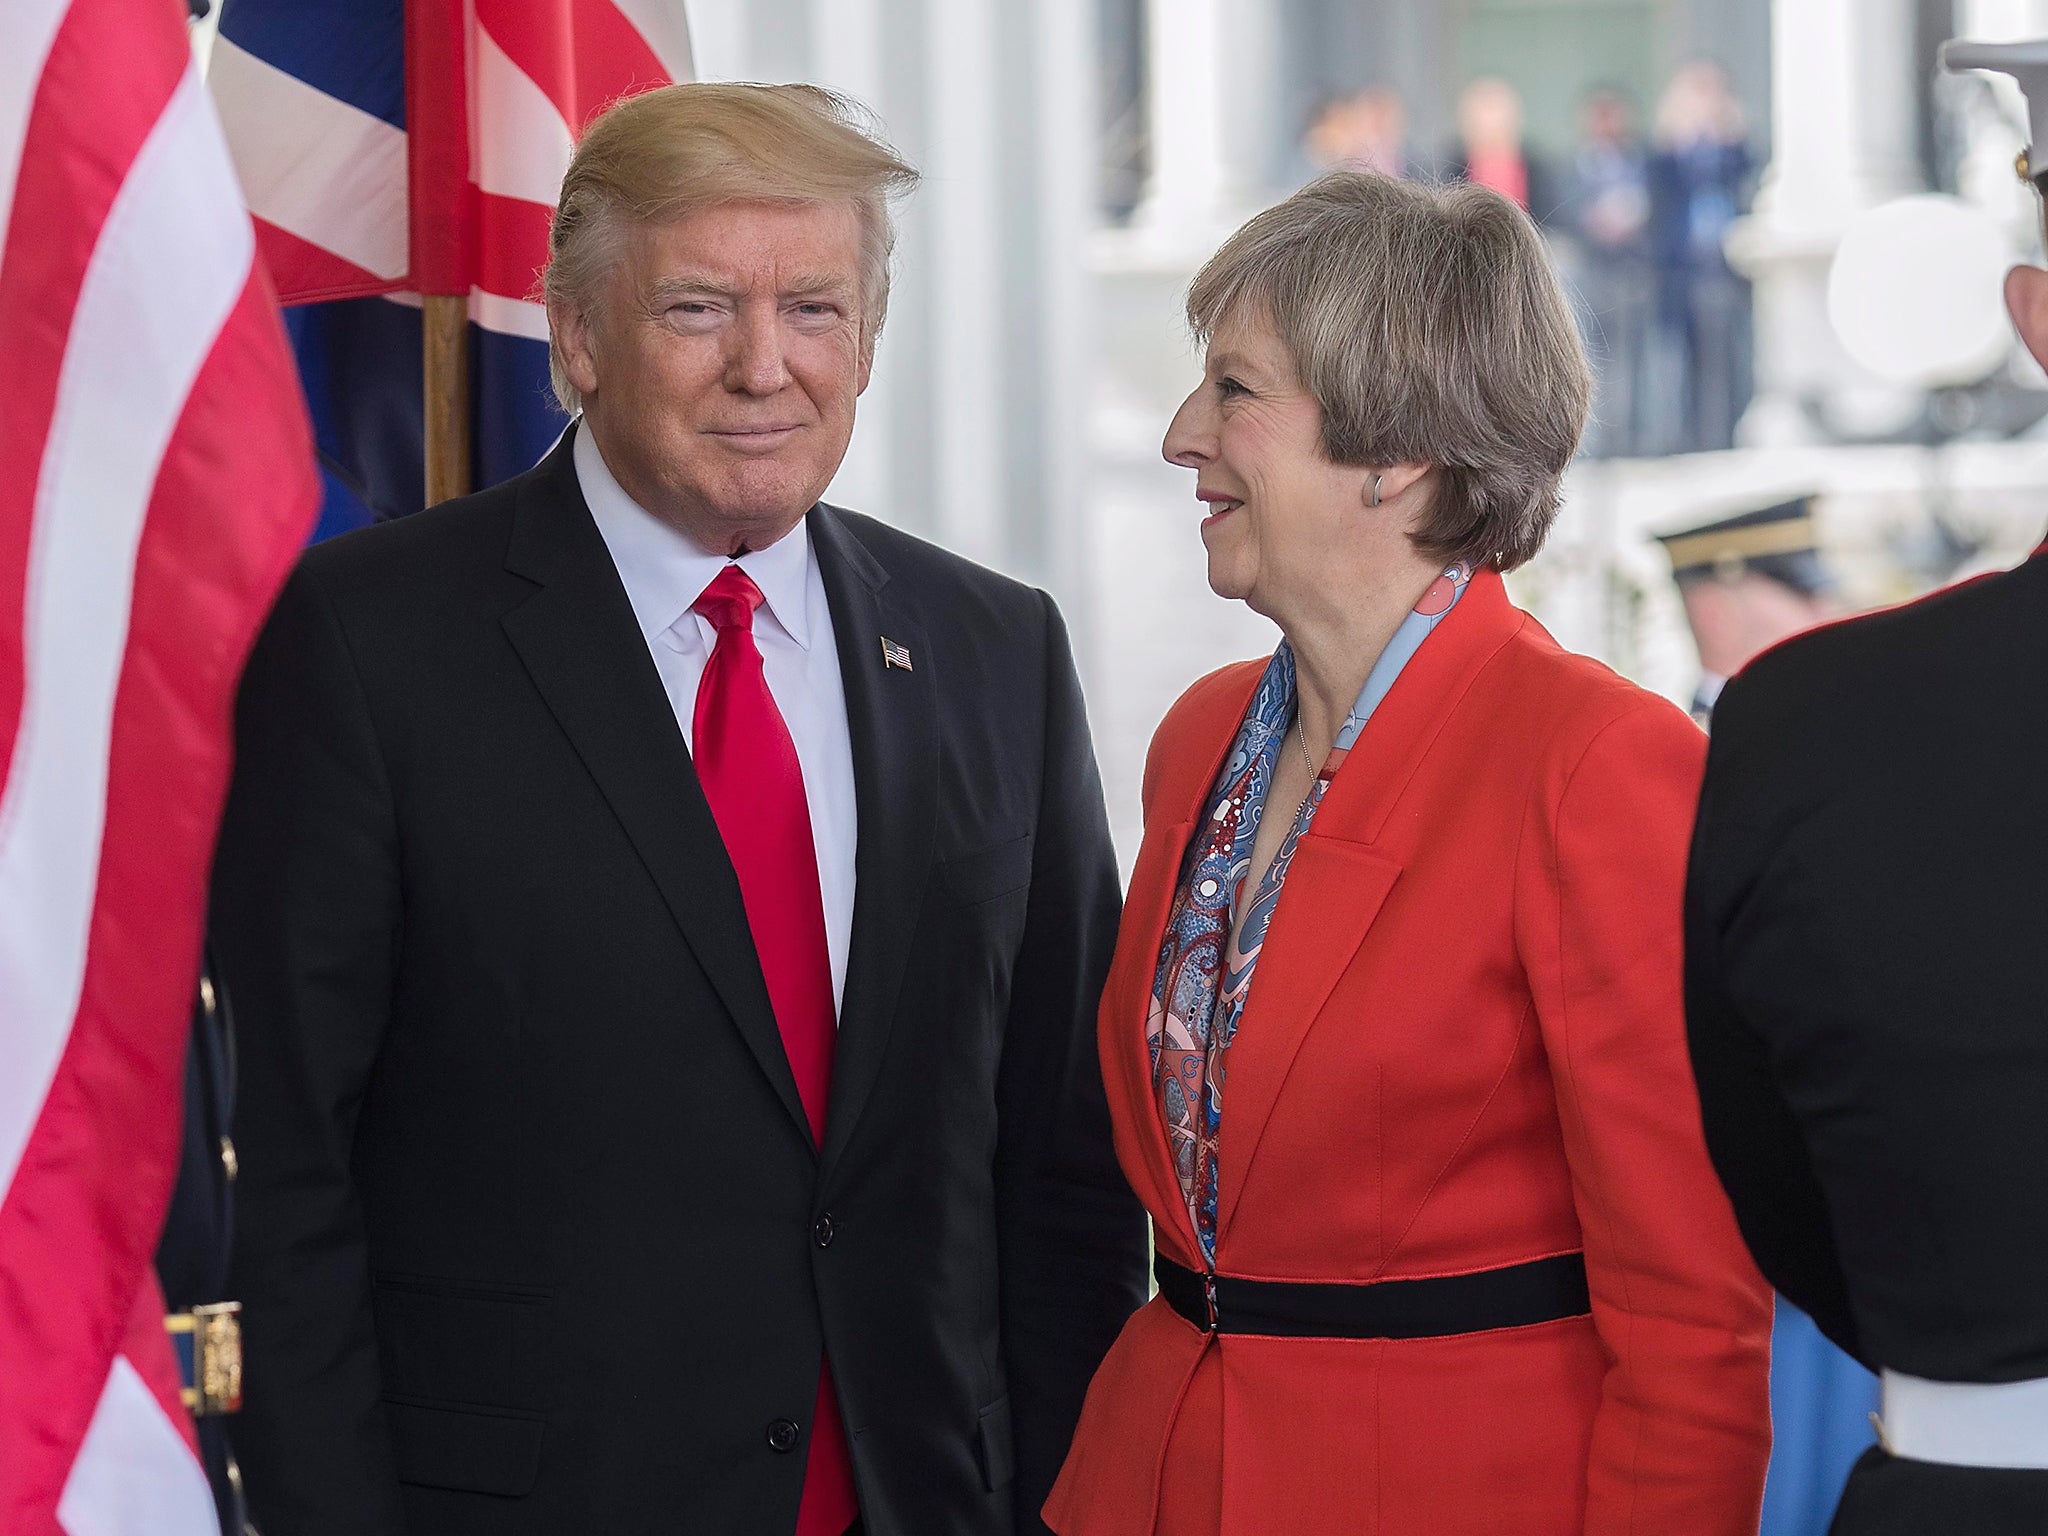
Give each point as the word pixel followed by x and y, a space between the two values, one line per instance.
pixel 1683 1429
pixel 305 925
pixel 1756 1142
pixel 1070 1232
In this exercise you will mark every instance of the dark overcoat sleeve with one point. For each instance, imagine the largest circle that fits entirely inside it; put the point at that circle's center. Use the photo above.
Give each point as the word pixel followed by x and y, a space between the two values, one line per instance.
pixel 1071 1233
pixel 1757 1145
pixel 306 927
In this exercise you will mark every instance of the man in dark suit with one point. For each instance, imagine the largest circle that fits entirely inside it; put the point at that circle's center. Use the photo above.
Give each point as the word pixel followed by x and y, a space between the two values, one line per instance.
pixel 665 915
pixel 1865 921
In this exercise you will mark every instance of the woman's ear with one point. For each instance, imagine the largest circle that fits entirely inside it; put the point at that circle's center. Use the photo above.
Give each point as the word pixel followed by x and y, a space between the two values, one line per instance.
pixel 1385 485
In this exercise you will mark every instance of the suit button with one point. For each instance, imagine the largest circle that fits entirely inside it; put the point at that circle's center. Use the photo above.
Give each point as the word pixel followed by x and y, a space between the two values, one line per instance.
pixel 782 1435
pixel 824 1230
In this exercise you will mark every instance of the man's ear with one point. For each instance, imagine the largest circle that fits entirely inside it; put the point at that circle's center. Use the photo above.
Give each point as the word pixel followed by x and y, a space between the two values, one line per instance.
pixel 2026 298
pixel 570 328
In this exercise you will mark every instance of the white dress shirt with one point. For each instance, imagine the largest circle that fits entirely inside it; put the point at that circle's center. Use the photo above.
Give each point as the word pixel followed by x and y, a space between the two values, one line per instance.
pixel 664 574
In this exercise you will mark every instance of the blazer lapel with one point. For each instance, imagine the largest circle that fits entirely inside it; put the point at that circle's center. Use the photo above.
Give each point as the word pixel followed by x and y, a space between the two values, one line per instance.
pixel 582 647
pixel 1334 890
pixel 892 716
pixel 1338 880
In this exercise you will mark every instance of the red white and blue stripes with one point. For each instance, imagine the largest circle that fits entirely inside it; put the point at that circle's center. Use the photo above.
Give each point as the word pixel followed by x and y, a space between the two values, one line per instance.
pixel 155 481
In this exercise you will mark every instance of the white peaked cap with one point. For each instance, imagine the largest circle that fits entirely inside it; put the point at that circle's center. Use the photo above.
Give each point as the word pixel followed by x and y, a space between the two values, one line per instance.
pixel 2026 63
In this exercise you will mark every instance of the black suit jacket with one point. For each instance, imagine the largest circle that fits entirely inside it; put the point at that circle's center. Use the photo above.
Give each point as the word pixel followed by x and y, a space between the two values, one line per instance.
pixel 1867 985
pixel 533 1235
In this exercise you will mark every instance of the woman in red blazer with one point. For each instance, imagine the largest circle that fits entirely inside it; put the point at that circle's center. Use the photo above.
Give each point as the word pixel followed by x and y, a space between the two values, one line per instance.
pixel 1393 1039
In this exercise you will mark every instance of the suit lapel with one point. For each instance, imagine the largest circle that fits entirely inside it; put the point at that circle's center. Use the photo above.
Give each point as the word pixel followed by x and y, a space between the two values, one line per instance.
pixel 580 644
pixel 892 717
pixel 1339 881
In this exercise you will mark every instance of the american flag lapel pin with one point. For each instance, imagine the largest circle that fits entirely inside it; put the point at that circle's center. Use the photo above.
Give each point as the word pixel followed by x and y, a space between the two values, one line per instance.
pixel 894 655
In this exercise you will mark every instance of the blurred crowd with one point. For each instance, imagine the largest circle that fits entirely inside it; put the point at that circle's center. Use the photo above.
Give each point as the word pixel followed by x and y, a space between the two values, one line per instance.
pixel 1638 220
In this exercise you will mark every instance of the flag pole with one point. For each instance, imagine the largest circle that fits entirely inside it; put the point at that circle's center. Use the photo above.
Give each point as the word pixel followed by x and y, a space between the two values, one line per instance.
pixel 445 377
pixel 437 151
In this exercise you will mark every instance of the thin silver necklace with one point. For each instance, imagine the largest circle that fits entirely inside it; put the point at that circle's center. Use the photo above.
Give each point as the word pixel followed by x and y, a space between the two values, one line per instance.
pixel 1301 735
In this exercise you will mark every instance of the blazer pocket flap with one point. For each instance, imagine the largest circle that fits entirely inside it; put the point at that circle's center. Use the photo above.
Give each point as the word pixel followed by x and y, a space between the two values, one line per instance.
pixel 452 1342
pixel 998 1452
pixel 466 1451
pixel 987 873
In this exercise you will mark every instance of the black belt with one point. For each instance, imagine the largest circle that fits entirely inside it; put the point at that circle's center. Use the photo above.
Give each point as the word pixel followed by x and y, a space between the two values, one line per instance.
pixel 1540 1291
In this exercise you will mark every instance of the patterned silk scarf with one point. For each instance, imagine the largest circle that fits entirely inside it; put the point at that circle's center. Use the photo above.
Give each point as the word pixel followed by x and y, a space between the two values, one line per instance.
pixel 1204 975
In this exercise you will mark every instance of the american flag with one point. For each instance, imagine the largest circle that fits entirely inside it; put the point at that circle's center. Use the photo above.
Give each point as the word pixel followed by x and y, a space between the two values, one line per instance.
pixel 397 147
pixel 156 480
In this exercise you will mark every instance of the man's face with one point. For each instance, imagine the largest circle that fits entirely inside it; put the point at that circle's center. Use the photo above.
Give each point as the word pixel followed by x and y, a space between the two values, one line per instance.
pixel 720 371
pixel 1734 621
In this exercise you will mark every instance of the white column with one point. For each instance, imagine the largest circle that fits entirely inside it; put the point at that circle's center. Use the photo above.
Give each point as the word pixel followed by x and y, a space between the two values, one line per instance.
pixel 1187 113
pixel 718 39
pixel 1053 128
pixel 1842 112
pixel 1245 103
pixel 1842 127
pixel 847 50
pixel 2001 21
pixel 959 203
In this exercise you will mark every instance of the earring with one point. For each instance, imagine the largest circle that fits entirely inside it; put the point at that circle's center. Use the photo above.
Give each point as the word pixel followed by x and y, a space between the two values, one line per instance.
pixel 1375 490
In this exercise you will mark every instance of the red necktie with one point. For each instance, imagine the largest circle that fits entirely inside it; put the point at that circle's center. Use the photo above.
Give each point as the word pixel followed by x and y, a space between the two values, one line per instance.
pixel 748 766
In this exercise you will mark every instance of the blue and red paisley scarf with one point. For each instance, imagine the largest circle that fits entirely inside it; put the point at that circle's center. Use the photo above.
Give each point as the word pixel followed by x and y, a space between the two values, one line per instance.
pixel 1205 974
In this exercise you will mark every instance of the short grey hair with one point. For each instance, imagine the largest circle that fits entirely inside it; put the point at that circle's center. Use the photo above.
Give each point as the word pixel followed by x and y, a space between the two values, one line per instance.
pixel 1428 325
pixel 657 156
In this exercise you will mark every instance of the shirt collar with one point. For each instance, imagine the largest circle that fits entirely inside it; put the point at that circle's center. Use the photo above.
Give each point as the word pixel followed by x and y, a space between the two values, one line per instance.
pixel 665 571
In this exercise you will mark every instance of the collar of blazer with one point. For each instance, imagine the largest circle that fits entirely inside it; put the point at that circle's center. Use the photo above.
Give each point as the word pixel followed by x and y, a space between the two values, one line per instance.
pixel 1335 886
pixel 579 642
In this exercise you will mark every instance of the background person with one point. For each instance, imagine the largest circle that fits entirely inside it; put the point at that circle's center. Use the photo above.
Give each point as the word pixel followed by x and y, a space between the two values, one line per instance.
pixel 1491 153
pixel 1747 582
pixel 1366 131
pixel 1445 1246
pixel 1607 222
pixel 1866 1000
pixel 1701 173
pixel 665 915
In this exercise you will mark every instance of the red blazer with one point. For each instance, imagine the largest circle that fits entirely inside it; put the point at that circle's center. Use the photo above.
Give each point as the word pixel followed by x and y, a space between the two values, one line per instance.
pixel 1464 1048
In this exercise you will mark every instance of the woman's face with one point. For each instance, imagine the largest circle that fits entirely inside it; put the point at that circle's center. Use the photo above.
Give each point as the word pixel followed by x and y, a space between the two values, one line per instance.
pixel 1281 518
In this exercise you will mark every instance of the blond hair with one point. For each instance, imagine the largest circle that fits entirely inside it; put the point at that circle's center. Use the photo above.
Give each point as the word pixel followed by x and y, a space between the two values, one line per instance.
pixel 1428 325
pixel 657 156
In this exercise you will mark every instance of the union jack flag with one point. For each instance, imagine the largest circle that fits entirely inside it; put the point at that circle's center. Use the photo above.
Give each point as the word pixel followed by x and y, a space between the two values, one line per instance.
pixel 391 148
pixel 156 480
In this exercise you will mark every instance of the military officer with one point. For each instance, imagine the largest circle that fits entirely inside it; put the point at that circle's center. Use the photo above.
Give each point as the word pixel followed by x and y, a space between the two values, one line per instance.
pixel 192 1256
pixel 1868 1011
pixel 1748 581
